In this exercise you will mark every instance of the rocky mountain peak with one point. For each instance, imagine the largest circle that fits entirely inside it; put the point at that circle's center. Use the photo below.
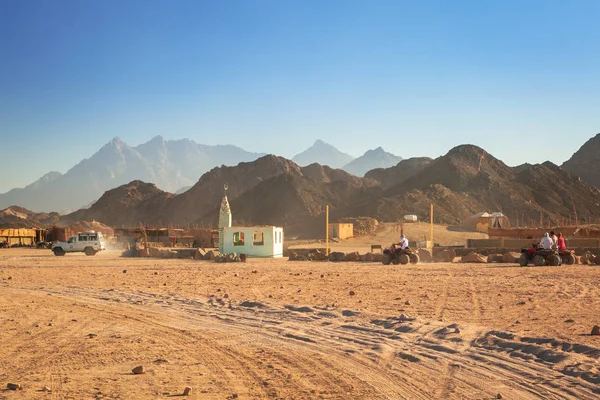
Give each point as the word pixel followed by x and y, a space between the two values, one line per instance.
pixel 322 153
pixel 585 163
pixel 372 159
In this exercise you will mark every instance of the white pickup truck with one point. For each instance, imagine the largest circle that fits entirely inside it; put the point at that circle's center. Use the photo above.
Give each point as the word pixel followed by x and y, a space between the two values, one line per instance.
pixel 87 242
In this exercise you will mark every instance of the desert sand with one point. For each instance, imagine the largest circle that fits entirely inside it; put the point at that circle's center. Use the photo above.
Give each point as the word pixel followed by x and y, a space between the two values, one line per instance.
pixel 275 329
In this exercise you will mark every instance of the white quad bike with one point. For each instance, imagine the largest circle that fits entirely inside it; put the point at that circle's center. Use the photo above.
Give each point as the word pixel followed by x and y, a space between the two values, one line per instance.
pixel 87 242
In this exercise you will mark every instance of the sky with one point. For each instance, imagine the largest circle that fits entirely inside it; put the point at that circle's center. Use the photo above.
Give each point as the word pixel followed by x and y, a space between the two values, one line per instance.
pixel 518 78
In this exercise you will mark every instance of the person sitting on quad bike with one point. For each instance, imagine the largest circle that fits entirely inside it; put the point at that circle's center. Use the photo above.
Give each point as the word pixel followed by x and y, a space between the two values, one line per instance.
pixel 532 250
pixel 399 253
pixel 567 256
pixel 403 243
pixel 560 242
pixel 547 243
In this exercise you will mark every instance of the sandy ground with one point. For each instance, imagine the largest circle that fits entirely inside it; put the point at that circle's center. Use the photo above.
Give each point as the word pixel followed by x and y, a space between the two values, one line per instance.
pixel 274 329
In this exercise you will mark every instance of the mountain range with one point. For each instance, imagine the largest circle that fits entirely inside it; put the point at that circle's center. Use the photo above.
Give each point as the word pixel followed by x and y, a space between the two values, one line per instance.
pixel 170 165
pixel 325 154
pixel 173 166
pixel 274 190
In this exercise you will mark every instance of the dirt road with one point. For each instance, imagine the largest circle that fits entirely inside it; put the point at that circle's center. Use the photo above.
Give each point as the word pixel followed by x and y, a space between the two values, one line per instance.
pixel 271 329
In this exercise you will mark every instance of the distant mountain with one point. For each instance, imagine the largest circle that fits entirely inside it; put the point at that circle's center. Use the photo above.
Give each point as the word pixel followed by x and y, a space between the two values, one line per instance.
pixel 208 191
pixel 168 164
pixel 28 196
pixel 19 217
pixel 269 190
pixel 126 205
pixel 324 154
pixel 183 189
pixel 397 174
pixel 585 163
pixel 372 159
pixel 468 180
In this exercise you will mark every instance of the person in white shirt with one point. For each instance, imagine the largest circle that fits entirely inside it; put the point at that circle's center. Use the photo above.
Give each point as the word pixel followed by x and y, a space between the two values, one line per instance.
pixel 553 237
pixel 547 243
pixel 403 242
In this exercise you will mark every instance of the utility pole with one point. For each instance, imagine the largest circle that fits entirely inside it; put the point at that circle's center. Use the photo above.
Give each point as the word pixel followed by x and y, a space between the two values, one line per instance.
pixel 327 230
pixel 431 226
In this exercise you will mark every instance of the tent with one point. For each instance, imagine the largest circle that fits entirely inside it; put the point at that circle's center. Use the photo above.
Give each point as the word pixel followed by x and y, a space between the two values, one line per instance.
pixel 483 221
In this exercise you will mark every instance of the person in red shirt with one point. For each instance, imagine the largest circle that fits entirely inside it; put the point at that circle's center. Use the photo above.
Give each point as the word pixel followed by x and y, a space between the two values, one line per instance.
pixel 531 251
pixel 560 242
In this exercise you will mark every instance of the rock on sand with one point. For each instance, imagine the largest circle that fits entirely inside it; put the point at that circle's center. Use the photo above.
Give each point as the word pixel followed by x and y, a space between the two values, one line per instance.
pixel 138 370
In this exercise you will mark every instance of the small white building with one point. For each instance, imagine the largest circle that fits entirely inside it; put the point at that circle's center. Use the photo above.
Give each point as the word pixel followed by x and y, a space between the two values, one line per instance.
pixel 253 241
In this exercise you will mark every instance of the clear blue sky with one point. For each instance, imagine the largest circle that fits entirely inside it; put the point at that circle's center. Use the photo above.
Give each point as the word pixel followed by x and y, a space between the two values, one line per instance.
pixel 519 78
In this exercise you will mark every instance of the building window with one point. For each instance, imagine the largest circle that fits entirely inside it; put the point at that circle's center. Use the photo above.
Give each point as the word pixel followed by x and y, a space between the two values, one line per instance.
pixel 238 238
pixel 258 239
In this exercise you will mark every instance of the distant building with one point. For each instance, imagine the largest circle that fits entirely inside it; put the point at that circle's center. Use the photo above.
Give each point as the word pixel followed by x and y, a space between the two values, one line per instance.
pixel 21 237
pixel 340 231
pixel 253 241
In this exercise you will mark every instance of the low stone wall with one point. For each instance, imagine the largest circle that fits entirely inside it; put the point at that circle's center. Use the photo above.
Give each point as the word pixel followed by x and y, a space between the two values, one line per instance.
pixel 506 243
pixel 335 256
pixel 501 250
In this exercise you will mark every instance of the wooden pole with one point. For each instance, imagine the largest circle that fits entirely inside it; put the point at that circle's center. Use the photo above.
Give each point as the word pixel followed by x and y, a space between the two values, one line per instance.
pixel 327 229
pixel 431 226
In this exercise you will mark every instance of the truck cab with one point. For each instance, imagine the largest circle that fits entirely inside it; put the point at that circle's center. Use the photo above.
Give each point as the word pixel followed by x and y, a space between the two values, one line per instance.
pixel 89 242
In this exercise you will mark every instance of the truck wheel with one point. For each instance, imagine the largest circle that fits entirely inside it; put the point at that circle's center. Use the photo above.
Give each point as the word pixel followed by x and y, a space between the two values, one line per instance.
pixel 58 251
pixel 386 259
pixel 414 258
pixel 570 259
pixel 523 260
pixel 89 251
pixel 539 260
pixel 404 259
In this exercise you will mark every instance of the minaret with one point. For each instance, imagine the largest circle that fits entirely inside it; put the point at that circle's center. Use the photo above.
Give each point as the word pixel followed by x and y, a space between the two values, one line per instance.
pixel 224 220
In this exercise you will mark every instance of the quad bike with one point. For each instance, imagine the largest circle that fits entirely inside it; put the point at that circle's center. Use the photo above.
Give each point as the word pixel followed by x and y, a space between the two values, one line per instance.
pixel 396 255
pixel 567 256
pixel 540 257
